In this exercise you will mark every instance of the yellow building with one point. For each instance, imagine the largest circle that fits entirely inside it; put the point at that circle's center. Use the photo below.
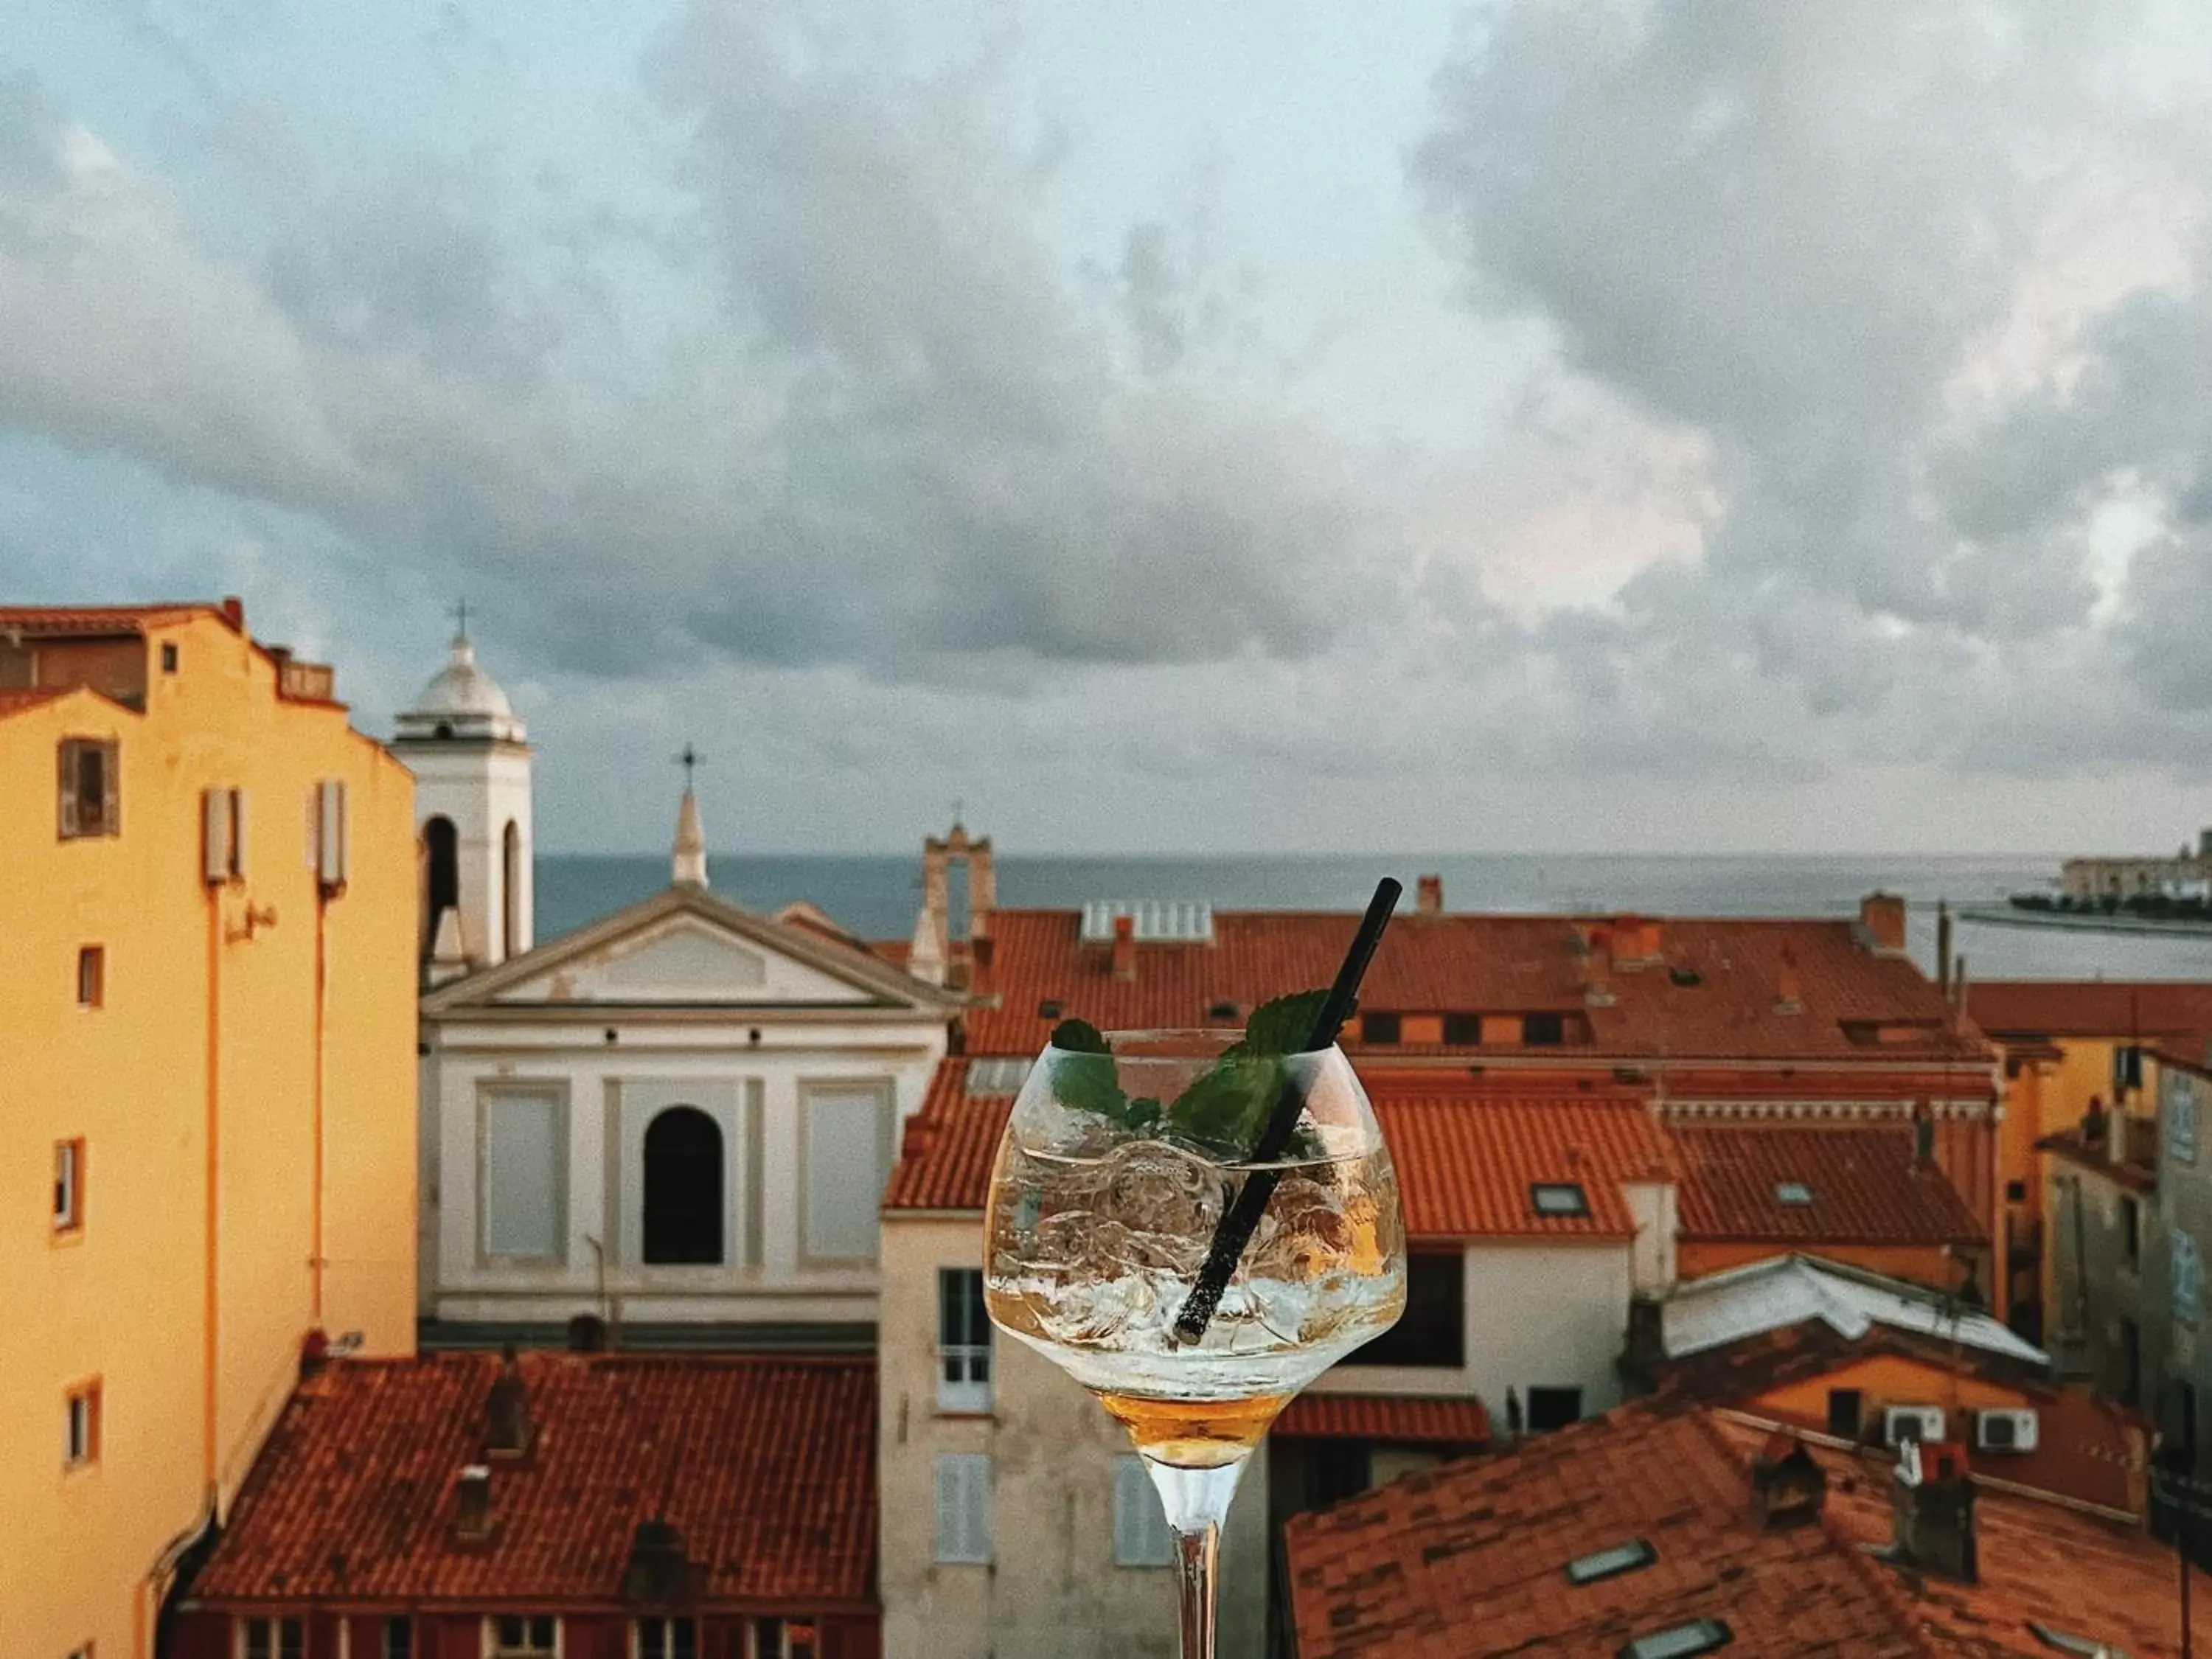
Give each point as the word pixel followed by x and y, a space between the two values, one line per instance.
pixel 207 1086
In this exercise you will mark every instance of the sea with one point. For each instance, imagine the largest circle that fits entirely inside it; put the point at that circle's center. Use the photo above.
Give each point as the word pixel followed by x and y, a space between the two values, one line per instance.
pixel 877 894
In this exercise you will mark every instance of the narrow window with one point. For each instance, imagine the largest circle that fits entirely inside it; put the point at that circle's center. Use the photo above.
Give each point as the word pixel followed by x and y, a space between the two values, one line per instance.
pixel 1846 1411
pixel 1543 1031
pixel 963 1341
pixel 682 1188
pixel 399 1639
pixel 2015 1192
pixel 1378 1028
pixel 2127 1068
pixel 91 975
pixel 667 1638
pixel 1554 1408
pixel 1559 1198
pixel 2131 1231
pixel 524 1636
pixel 1463 1031
pixel 765 1639
pixel 964 1507
pixel 168 656
pixel 80 1432
pixel 69 1185
pixel 510 889
pixel 88 788
pixel 1142 1537
pixel 441 857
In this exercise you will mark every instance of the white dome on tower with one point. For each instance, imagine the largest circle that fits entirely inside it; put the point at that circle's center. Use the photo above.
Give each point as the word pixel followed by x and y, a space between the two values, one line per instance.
pixel 461 701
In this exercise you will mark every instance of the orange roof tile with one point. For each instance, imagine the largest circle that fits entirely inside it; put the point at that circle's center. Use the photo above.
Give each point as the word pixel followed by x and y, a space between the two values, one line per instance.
pixel 2077 1149
pixel 1865 1188
pixel 1712 992
pixel 1457 1420
pixel 1466 1162
pixel 100 618
pixel 766 1466
pixel 2088 1008
pixel 1470 1559
pixel 15 702
pixel 945 1160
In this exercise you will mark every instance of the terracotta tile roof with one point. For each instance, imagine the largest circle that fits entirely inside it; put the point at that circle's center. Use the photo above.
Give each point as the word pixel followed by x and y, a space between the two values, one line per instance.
pixel 1712 990
pixel 893 951
pixel 1458 1420
pixel 2088 1008
pixel 767 1466
pixel 1865 1188
pixel 99 618
pixel 1466 1162
pixel 2075 1148
pixel 1466 1156
pixel 1469 1559
pixel 15 702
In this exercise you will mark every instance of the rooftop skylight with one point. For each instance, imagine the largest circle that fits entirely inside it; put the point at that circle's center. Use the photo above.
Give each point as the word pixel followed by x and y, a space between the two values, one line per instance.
pixel 2067 1642
pixel 1679 1642
pixel 1608 1563
pixel 1792 1192
pixel 997 1074
pixel 1559 1198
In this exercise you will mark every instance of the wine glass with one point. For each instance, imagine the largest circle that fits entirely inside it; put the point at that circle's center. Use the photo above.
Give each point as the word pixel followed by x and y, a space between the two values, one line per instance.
pixel 1107 1211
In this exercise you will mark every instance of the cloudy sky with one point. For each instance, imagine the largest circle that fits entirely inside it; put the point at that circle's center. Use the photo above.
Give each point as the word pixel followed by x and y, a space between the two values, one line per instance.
pixel 1653 424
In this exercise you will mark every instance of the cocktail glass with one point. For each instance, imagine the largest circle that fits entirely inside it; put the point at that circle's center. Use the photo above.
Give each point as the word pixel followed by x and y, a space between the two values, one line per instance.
pixel 1105 1203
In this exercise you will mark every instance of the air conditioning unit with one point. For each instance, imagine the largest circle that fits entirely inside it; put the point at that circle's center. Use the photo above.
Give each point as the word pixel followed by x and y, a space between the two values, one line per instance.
pixel 1902 1423
pixel 2011 1429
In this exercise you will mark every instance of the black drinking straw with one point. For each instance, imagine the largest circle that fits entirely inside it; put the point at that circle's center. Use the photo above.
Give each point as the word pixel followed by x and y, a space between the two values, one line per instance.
pixel 1237 1226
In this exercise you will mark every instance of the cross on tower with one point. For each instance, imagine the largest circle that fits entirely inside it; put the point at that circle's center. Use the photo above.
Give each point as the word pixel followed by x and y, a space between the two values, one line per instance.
pixel 461 616
pixel 689 760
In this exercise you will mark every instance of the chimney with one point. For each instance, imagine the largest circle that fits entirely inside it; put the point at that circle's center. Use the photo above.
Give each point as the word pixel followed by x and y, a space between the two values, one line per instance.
pixel 1958 981
pixel 587 1334
pixel 1789 992
pixel 233 612
pixel 982 896
pixel 472 1504
pixel 1597 969
pixel 1787 1486
pixel 507 1431
pixel 1429 896
pixel 658 1574
pixel 1125 947
pixel 1943 947
pixel 1881 916
pixel 1931 1504
pixel 1647 1334
pixel 314 1352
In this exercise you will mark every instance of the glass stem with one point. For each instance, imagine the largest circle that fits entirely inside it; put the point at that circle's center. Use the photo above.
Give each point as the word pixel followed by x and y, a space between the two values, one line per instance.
pixel 1196 1501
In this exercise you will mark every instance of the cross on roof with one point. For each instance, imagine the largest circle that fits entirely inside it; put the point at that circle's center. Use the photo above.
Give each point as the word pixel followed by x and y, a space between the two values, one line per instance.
pixel 461 616
pixel 689 760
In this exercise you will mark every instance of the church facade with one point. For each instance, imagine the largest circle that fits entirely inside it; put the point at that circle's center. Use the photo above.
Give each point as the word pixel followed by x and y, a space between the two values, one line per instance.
pixel 679 1119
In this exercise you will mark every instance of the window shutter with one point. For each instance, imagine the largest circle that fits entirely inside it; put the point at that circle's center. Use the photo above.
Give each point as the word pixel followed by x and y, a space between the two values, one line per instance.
pixel 111 779
pixel 215 836
pixel 963 1507
pixel 331 835
pixel 66 758
pixel 238 832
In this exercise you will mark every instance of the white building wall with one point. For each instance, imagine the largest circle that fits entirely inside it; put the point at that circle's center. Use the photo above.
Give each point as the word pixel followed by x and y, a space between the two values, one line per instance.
pixel 480 788
pixel 611 1092
pixel 1053 1587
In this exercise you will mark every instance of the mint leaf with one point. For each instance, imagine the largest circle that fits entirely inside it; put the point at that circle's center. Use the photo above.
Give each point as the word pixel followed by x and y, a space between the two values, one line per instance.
pixel 1087 1083
pixel 1079 1037
pixel 1284 1026
pixel 1223 1109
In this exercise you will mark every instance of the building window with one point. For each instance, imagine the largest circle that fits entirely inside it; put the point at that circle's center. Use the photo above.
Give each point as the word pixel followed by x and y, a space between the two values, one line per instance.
pixel 90 774
pixel 510 889
pixel 683 1207
pixel 168 656
pixel 1681 1641
pixel 81 1427
pixel 1378 1028
pixel 2127 1068
pixel 2131 1232
pixel 69 1185
pixel 1554 1408
pixel 518 1636
pixel 442 878
pixel 523 1138
pixel 91 975
pixel 963 1341
pixel 2015 1192
pixel 667 1638
pixel 964 1507
pixel 1433 1330
pixel 1142 1537
pixel 1543 1031
pixel 1611 1563
pixel 1463 1031
pixel 399 1639
pixel 1845 1412
pixel 847 1134
pixel 1559 1198
pixel 272 1639
pixel 778 1638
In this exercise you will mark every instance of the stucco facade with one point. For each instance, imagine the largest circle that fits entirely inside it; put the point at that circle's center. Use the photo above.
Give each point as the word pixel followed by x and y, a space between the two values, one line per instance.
pixel 234 1079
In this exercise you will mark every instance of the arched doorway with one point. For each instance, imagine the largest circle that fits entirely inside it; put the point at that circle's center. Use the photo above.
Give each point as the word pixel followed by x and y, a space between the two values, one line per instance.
pixel 683 1187
pixel 442 852
pixel 510 897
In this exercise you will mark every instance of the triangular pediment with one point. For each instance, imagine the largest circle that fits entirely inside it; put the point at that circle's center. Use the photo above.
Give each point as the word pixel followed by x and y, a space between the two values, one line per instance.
pixel 685 948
